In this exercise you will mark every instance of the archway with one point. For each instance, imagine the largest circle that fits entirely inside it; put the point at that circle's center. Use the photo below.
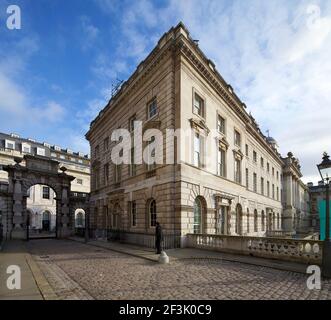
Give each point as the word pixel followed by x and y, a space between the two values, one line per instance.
pixel 80 222
pixel 37 171
pixel 79 218
pixel 200 215
pixel 41 206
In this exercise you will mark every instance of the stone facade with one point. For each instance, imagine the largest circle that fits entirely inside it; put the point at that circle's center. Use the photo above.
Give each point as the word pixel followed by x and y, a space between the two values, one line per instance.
pixel 295 197
pixel 41 200
pixel 233 188
pixel 316 194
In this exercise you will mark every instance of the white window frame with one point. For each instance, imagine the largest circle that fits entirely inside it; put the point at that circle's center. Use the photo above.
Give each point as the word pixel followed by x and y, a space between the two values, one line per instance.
pixel 221 162
pixel 27 146
pixel 10 142
pixel 41 152
pixel 197 157
pixel 152 102
pixel 203 107
pixel 49 192
pixel 217 124
pixel 234 138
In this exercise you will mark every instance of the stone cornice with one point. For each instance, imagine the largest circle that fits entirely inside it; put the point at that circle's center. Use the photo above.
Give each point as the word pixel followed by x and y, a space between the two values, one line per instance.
pixel 176 41
pixel 136 79
pixel 260 138
pixel 238 154
pixel 198 125
pixel 222 142
pixel 214 79
pixel 225 91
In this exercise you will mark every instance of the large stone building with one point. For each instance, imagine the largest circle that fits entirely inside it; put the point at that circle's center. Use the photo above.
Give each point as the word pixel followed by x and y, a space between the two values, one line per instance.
pixel 41 199
pixel 317 194
pixel 227 178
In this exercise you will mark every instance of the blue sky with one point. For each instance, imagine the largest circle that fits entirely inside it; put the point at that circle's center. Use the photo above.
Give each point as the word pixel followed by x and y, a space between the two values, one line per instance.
pixel 56 72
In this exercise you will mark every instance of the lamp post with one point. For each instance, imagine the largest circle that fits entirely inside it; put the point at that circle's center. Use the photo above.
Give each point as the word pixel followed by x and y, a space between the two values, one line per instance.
pixel 325 171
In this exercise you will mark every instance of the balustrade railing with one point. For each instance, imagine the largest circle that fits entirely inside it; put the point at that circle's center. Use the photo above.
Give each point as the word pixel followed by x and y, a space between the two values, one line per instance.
pixel 279 234
pixel 306 251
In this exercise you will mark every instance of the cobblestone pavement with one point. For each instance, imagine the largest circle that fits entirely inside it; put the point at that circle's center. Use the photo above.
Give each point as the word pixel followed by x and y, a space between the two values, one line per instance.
pixel 78 271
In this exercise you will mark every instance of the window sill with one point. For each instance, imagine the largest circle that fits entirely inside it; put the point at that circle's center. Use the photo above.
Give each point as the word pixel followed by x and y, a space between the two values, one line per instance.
pixel 200 117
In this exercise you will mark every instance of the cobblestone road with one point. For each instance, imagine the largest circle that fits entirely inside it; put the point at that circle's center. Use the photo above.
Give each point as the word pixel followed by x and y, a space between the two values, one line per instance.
pixel 78 271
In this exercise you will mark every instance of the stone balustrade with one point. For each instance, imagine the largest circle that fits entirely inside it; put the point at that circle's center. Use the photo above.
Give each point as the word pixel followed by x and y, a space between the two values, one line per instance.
pixel 304 251
pixel 279 234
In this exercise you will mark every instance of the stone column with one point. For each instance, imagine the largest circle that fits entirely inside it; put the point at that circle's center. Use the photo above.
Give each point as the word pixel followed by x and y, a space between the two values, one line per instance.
pixel 63 230
pixel 18 231
pixel 288 212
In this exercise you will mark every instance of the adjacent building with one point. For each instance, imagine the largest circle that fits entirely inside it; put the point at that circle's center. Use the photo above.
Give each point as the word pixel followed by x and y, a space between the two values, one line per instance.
pixel 41 203
pixel 317 194
pixel 227 178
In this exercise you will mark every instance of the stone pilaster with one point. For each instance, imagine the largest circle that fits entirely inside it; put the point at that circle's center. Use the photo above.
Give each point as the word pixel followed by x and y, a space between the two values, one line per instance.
pixel 63 230
pixel 18 231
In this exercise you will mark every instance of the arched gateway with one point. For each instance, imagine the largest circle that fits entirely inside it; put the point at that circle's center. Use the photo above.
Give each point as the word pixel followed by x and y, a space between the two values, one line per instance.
pixel 37 170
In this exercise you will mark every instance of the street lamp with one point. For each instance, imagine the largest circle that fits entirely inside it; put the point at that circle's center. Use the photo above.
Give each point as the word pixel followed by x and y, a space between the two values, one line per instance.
pixel 325 171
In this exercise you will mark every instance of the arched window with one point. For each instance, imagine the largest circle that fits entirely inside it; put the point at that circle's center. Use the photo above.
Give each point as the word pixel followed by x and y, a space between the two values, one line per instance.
pixel 263 221
pixel 247 220
pixel 255 221
pixel 197 216
pixel 46 216
pixel 278 221
pixel 79 219
pixel 152 213
pixel 239 219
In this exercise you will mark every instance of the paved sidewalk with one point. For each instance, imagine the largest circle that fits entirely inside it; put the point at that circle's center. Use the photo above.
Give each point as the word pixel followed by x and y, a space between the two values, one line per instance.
pixel 187 253
pixel 33 282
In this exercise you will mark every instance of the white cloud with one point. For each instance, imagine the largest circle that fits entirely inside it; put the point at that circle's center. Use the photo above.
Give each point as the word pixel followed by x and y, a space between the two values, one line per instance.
pixel 279 67
pixel 90 33
pixel 15 104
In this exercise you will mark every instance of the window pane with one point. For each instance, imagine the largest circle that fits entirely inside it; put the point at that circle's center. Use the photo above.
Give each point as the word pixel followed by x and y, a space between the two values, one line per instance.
pixel 197 217
pixel 220 124
pixel 152 210
pixel 198 105
pixel 152 109
pixel 45 192
pixel 197 150
pixel 237 138
pixel 221 162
